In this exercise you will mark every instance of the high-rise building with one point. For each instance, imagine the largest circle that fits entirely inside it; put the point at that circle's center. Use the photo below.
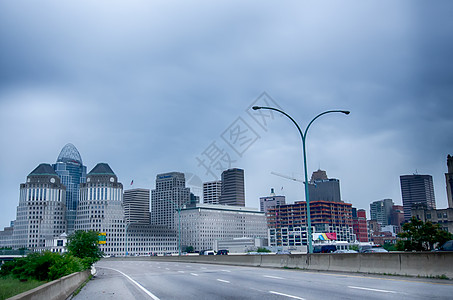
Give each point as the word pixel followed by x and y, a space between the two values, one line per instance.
pixel 101 208
pixel 41 211
pixel 417 189
pixel 136 206
pixel 170 195
pixel 322 188
pixel 271 201
pixel 72 173
pixel 449 180
pixel 212 191
pixel 382 211
pixel 325 215
pixel 233 190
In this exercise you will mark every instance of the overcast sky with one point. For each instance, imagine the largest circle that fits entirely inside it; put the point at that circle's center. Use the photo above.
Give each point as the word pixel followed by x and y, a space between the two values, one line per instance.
pixel 157 86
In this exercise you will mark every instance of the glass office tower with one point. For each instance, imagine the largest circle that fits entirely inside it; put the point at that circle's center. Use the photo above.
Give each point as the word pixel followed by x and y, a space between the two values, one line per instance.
pixel 72 173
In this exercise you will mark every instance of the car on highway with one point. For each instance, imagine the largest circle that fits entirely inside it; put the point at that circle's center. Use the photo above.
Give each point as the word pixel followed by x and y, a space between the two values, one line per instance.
pixel 447 246
pixel 222 252
pixel 324 248
pixel 345 251
pixel 375 250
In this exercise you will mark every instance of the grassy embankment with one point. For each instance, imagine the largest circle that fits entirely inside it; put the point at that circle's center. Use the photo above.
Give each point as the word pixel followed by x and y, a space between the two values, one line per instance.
pixel 10 286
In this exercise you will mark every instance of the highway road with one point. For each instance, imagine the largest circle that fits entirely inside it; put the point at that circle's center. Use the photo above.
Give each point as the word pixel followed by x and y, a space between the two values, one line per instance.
pixel 175 280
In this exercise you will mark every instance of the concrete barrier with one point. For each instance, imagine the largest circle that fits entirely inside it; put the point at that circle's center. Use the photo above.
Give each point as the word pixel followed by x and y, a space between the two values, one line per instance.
pixel 424 264
pixel 59 289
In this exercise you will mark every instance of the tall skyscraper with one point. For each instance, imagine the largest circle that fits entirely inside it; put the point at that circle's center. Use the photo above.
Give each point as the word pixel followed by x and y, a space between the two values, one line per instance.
pixel 233 190
pixel 417 189
pixel 449 180
pixel 271 201
pixel 41 210
pixel 322 188
pixel 72 173
pixel 170 194
pixel 382 211
pixel 212 191
pixel 136 206
pixel 101 208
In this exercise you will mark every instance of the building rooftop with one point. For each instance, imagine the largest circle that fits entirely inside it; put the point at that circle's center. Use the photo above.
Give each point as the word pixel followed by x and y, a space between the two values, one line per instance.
pixel 101 169
pixel 43 169
pixel 69 153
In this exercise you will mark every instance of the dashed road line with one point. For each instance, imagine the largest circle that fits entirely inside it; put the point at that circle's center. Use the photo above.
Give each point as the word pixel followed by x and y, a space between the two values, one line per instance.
pixel 193 274
pixel 221 280
pixel 370 289
pixel 286 295
pixel 274 277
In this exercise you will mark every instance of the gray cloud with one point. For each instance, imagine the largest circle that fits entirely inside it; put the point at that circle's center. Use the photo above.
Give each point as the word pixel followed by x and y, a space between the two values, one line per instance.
pixel 147 86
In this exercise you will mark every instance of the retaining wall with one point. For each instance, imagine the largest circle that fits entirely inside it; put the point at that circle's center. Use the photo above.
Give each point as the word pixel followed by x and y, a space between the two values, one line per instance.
pixel 59 289
pixel 424 264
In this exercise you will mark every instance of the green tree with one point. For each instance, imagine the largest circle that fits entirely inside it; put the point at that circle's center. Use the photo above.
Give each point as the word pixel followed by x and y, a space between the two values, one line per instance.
pixel 263 250
pixel 42 266
pixel 189 249
pixel 85 245
pixel 419 236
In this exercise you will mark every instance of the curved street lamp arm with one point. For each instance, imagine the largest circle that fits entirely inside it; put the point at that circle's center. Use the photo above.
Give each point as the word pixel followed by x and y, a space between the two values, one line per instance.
pixel 346 112
pixel 282 112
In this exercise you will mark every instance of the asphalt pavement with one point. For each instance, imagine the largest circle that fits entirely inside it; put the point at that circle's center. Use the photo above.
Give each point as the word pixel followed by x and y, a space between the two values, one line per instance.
pixel 175 280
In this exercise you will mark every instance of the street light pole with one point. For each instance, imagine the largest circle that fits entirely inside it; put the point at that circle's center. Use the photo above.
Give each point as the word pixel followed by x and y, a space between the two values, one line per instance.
pixel 127 226
pixel 178 208
pixel 303 135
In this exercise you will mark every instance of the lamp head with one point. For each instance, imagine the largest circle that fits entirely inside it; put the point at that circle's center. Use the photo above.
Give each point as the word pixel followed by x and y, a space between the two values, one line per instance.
pixel 346 112
pixel 256 107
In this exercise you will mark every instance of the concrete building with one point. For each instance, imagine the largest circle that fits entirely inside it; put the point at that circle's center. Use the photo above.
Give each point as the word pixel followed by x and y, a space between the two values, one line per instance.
pixel 101 208
pixel 72 173
pixel 443 217
pixel 271 201
pixel 417 189
pixel 6 237
pixel 212 191
pixel 233 187
pixel 206 223
pixel 322 188
pixel 136 206
pixel 41 210
pixel 145 239
pixel 382 211
pixel 170 194
pixel 449 180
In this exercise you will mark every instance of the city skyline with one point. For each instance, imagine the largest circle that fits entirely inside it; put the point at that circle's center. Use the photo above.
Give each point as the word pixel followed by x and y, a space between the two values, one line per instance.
pixel 153 94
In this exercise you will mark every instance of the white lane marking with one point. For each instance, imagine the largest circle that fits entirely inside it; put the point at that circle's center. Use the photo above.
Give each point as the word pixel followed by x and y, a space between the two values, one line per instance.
pixel 275 277
pixel 193 274
pixel 226 271
pixel 286 295
pixel 167 269
pixel 203 268
pixel 221 280
pixel 136 283
pixel 180 271
pixel 369 289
